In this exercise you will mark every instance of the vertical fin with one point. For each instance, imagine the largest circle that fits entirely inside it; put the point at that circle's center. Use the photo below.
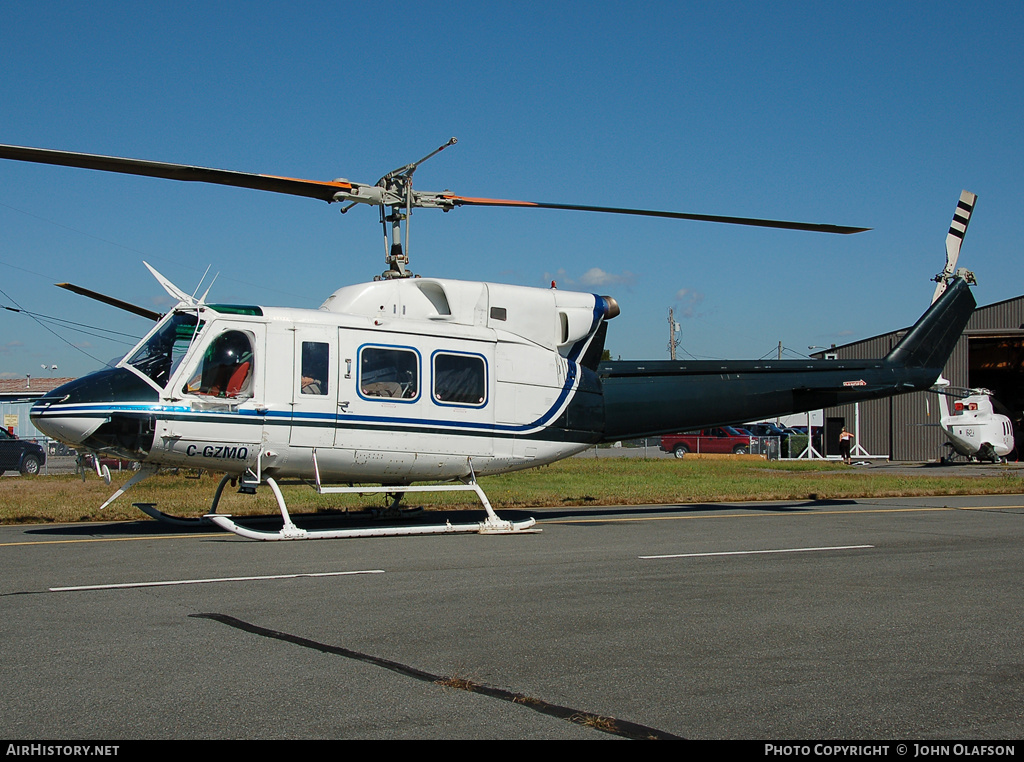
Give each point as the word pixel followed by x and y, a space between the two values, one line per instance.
pixel 931 340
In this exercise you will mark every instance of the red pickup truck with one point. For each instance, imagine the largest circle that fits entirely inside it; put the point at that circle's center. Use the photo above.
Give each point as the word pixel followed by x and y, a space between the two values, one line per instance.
pixel 716 440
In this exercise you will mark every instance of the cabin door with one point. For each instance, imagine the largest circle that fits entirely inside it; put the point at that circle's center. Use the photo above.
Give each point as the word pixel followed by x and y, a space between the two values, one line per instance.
pixel 314 386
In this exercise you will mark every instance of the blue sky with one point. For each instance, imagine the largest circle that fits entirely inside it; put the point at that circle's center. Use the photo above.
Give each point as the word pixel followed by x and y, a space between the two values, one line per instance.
pixel 872 114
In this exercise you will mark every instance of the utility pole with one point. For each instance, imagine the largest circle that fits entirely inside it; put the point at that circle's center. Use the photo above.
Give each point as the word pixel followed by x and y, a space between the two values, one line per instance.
pixel 778 418
pixel 673 329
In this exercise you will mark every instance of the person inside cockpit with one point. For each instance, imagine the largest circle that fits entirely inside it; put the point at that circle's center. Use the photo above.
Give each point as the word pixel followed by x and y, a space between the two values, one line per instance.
pixel 227 367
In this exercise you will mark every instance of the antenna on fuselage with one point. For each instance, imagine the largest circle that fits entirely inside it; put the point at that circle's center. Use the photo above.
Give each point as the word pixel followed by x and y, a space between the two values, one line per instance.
pixel 199 285
pixel 170 288
pixel 202 299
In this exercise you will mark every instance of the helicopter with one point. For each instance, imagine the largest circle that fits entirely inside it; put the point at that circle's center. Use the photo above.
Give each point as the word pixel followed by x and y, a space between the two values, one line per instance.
pixel 408 379
pixel 974 429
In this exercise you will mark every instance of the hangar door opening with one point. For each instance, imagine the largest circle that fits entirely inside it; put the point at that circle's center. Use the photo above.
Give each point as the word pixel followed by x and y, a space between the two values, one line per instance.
pixel 997 363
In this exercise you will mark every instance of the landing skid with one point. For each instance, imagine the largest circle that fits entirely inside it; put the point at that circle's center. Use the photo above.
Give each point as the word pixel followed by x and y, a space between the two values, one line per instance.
pixel 491 525
pixel 180 521
pixel 986 453
pixel 289 531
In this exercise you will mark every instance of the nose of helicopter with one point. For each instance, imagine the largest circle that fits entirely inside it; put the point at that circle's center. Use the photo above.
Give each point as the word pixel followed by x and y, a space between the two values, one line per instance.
pixel 91 412
pixel 61 424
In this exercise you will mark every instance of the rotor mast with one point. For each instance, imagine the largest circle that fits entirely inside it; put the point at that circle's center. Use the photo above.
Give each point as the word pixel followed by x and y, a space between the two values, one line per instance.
pixel 398 184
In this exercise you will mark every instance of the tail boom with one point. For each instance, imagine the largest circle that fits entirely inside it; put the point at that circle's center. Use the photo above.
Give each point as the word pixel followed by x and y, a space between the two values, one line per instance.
pixel 661 397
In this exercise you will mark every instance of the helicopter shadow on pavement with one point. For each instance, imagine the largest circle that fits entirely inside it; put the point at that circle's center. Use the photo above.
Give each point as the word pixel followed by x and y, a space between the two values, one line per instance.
pixel 364 519
pixel 599 512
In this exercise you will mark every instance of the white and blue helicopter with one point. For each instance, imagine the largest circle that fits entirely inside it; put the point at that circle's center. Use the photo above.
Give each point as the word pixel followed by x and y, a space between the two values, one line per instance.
pixel 407 380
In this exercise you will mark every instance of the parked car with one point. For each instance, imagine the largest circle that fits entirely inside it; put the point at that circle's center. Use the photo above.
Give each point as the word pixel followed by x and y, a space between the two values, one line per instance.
pixel 715 440
pixel 766 429
pixel 20 454
pixel 114 464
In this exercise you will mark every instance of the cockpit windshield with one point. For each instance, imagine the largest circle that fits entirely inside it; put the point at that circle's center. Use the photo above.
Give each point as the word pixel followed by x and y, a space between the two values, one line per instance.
pixel 158 358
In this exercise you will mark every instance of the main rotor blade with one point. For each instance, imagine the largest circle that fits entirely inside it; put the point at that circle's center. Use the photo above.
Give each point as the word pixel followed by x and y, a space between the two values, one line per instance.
pixel 338 190
pixel 808 226
pixel 112 301
pixel 296 187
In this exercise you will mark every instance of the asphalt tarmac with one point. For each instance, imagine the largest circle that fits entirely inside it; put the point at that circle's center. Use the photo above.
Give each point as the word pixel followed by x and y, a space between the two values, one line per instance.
pixel 860 619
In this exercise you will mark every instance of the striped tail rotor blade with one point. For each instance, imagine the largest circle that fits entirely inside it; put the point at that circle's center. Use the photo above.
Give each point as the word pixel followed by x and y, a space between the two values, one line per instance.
pixel 958 228
pixel 955 238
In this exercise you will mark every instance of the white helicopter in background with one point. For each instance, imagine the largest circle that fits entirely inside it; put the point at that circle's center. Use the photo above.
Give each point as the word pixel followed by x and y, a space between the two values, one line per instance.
pixel 408 379
pixel 974 429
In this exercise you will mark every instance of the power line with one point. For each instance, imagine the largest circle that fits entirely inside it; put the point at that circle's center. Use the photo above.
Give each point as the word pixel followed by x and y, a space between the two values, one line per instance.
pixel 77 326
pixel 47 328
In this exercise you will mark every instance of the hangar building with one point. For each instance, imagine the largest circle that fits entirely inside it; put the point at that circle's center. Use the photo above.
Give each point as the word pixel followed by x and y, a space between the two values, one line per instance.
pixel 16 398
pixel 989 354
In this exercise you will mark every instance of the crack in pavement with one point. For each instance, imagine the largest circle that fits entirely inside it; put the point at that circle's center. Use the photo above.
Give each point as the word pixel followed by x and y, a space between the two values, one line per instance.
pixel 610 725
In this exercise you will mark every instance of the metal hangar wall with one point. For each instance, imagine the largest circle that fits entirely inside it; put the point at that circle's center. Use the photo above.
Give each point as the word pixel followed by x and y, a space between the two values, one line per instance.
pixel 989 354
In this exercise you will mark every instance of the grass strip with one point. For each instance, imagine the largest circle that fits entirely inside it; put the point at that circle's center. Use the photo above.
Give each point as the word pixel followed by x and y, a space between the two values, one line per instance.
pixel 572 482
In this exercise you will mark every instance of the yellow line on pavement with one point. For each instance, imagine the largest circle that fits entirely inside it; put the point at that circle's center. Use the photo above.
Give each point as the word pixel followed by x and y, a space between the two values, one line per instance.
pixel 112 539
pixel 807 512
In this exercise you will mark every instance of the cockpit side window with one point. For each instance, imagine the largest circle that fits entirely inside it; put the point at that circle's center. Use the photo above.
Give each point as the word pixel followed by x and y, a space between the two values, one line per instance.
pixel 159 357
pixel 226 369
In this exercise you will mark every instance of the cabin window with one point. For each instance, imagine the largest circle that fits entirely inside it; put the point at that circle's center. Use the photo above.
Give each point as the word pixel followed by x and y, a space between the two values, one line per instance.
pixel 316 362
pixel 226 369
pixel 460 379
pixel 389 372
pixel 160 356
